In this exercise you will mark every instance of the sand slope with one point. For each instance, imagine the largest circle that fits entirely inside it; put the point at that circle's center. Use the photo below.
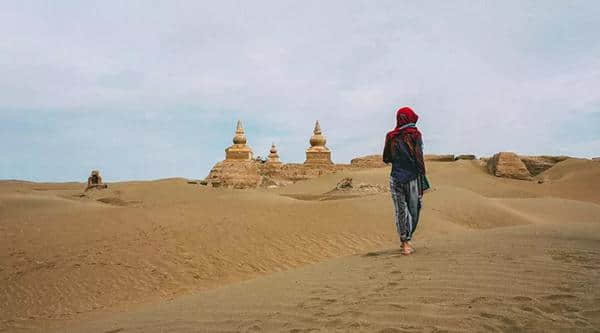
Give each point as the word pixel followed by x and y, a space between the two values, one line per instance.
pixel 451 285
pixel 72 261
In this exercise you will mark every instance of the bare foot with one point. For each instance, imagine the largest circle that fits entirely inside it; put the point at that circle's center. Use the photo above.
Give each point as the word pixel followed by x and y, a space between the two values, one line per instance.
pixel 407 248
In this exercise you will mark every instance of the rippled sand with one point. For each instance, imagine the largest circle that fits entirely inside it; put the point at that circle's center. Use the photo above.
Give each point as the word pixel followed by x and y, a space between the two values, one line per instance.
pixel 492 254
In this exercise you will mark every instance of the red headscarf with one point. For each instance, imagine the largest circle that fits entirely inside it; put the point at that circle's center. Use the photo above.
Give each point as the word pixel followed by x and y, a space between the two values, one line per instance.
pixel 405 116
pixel 406 120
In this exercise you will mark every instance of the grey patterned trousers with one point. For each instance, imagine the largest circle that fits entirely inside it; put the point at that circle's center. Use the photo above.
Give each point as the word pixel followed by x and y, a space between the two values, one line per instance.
pixel 407 204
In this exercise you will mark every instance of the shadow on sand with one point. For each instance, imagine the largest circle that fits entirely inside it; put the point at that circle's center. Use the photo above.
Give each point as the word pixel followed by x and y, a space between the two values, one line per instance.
pixel 384 253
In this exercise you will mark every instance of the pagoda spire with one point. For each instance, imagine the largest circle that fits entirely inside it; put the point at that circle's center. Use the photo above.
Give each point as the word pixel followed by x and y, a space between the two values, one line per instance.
pixel 273 156
pixel 239 150
pixel 240 136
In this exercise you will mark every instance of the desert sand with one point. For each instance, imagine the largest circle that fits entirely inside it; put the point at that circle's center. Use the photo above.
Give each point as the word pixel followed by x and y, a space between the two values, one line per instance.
pixel 493 254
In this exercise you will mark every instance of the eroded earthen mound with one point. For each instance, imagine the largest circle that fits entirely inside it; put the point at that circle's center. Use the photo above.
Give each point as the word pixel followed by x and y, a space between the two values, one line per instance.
pixel 235 174
pixel 539 164
pixel 347 185
pixel 465 157
pixel 439 158
pixel 508 165
pixel 370 161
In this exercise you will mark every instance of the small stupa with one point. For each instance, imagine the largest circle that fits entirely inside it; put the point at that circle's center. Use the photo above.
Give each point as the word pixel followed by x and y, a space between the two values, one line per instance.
pixel 273 156
pixel 318 153
pixel 95 181
pixel 239 150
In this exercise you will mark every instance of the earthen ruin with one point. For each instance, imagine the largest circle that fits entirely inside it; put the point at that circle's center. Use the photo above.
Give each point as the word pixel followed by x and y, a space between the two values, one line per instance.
pixel 439 158
pixel 239 170
pixel 508 165
pixel 467 157
pixel 95 181
pixel 368 162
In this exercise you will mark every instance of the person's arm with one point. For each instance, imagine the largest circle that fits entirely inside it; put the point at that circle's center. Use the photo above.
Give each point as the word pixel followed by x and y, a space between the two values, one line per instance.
pixel 420 158
pixel 387 152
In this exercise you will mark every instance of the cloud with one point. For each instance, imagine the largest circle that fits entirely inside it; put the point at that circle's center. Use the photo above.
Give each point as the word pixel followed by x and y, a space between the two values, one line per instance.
pixel 160 86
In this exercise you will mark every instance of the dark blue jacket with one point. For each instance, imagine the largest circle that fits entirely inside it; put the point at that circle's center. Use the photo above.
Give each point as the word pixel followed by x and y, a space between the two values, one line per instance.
pixel 404 166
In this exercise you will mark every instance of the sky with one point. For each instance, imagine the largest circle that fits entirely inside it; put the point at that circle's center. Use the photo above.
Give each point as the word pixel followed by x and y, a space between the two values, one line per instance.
pixel 153 89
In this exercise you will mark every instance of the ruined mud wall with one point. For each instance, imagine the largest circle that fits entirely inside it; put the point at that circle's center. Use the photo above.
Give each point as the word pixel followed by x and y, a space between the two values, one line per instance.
pixel 253 174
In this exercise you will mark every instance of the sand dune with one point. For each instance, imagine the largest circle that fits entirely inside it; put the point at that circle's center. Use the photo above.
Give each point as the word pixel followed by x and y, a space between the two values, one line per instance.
pixel 470 284
pixel 493 254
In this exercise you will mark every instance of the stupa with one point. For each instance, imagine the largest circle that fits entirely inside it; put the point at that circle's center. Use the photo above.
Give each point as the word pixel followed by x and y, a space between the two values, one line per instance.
pixel 318 153
pixel 273 156
pixel 239 150
pixel 95 181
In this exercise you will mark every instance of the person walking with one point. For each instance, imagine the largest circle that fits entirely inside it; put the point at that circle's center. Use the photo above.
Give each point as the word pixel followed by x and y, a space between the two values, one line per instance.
pixel 404 149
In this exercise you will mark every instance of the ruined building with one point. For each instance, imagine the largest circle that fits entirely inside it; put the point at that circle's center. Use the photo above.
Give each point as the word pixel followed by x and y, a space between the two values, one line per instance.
pixel 240 170
pixel 95 181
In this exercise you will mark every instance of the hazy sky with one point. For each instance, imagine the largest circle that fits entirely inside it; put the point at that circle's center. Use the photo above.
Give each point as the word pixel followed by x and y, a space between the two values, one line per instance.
pixel 152 89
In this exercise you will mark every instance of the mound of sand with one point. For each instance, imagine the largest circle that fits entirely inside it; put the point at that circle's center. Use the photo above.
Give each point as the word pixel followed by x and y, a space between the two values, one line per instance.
pixel 573 169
